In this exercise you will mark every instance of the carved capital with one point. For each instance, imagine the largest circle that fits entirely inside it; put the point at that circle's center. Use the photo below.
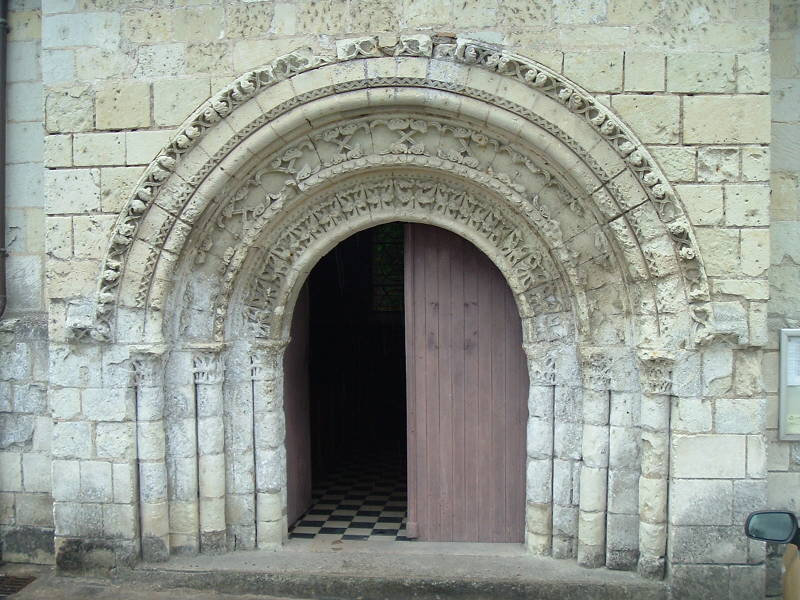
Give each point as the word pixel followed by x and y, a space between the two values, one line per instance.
pixel 656 371
pixel 207 364
pixel 265 357
pixel 147 362
pixel 542 365
pixel 595 368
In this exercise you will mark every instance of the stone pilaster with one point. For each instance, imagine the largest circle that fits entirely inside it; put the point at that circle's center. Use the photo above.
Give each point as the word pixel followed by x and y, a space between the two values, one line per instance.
pixel 656 376
pixel 595 372
pixel 208 370
pixel 148 369
pixel 539 477
pixel 268 439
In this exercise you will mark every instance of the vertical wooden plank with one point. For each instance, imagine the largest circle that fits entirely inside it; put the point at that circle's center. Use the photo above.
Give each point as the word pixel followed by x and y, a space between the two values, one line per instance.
pixel 296 408
pixel 446 455
pixel 499 401
pixel 460 517
pixel 484 439
pixel 433 522
pixel 471 399
pixel 467 391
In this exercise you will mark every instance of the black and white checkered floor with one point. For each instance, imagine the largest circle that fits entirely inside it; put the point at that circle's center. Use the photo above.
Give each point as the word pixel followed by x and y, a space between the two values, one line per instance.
pixel 362 501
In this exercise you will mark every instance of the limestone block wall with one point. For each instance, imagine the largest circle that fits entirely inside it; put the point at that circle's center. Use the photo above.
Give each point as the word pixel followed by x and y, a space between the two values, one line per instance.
pixel 26 512
pixel 784 303
pixel 691 78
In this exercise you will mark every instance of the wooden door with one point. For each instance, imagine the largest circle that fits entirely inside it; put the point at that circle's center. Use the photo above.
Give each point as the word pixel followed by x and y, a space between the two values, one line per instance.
pixel 296 411
pixel 467 386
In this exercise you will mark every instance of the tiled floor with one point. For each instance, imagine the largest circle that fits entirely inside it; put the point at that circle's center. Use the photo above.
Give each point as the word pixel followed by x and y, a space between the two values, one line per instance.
pixel 365 500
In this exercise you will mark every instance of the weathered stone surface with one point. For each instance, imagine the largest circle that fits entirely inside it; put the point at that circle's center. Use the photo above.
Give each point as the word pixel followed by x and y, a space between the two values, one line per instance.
pixel 93 149
pixel 709 456
pixel 72 191
pixel 69 109
pixel 656 119
pixel 123 105
pixel 740 119
pixel 701 502
pixel 644 71
pixel 716 164
pixel 72 440
pixel 701 72
pixel 174 100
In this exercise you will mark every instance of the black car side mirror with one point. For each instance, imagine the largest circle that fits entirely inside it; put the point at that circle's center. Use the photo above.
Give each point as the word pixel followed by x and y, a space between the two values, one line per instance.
pixel 772 526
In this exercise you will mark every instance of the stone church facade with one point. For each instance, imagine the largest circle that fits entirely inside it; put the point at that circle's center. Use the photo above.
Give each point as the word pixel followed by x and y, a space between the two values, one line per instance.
pixel 175 169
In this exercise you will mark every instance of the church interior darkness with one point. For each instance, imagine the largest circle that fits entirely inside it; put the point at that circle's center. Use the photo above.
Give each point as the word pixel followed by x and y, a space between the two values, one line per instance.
pixel 357 389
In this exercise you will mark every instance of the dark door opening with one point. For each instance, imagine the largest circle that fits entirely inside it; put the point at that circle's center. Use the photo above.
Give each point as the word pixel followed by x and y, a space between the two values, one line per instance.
pixel 406 393
pixel 357 389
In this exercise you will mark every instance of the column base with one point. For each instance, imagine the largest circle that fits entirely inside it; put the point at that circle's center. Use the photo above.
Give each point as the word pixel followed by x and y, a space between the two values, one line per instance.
pixel 213 542
pixel 651 567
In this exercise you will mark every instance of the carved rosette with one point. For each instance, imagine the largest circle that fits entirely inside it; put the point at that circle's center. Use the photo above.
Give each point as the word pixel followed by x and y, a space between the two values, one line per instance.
pixel 656 370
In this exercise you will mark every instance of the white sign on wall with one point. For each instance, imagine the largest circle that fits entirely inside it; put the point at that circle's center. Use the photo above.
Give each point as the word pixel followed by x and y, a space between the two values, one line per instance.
pixel 789 399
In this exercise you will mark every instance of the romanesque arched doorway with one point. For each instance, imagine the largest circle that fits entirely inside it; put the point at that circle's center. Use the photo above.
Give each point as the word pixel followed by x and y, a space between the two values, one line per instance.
pixel 208 258
pixel 405 393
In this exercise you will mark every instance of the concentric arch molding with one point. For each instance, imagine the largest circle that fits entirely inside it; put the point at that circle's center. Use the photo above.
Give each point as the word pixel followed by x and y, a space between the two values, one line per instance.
pixel 360 64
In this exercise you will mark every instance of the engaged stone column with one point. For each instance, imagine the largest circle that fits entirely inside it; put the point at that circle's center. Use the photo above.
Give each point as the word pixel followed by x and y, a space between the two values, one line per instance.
pixel 208 378
pixel 148 369
pixel 539 477
pixel 596 376
pixel 268 438
pixel 653 482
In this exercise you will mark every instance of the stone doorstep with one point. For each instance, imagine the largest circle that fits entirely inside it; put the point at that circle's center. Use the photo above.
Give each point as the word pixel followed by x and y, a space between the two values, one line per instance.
pixel 390 574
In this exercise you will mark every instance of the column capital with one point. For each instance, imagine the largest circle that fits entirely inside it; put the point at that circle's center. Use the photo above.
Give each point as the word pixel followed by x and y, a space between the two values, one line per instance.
pixel 542 364
pixel 656 370
pixel 595 367
pixel 147 361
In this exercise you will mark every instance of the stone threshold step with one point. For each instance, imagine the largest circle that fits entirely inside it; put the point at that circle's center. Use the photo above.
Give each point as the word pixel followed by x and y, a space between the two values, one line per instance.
pixel 380 575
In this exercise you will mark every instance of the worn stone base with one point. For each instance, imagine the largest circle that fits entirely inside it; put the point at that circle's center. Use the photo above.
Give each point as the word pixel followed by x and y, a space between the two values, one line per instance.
pixel 154 549
pixel 29 545
pixel 622 560
pixel 591 557
pixel 213 542
pixel 651 568
pixel 95 556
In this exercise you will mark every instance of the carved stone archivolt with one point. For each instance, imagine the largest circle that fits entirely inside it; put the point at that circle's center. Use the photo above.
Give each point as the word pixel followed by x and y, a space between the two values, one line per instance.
pixel 522 256
pixel 617 197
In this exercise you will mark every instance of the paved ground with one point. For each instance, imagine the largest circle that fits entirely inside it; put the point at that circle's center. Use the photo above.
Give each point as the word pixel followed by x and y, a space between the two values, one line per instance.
pixel 364 570
pixel 51 587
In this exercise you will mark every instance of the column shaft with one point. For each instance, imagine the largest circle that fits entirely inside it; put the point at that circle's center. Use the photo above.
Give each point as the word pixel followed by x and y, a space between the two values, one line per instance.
pixel 594 468
pixel 148 365
pixel 208 373
pixel 654 477
pixel 268 440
